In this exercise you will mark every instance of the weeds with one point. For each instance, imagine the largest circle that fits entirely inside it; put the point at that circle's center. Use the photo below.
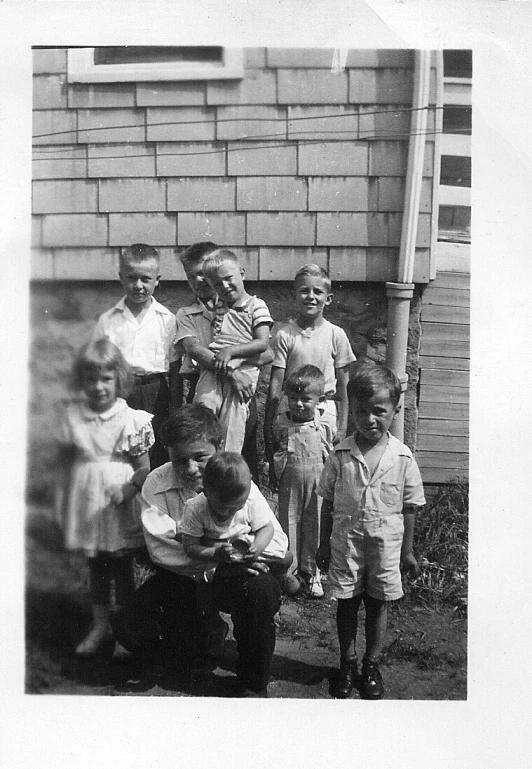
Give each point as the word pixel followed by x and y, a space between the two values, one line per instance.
pixel 441 542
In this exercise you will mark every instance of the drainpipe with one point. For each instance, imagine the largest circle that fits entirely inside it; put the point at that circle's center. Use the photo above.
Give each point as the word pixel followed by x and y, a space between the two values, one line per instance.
pixel 400 294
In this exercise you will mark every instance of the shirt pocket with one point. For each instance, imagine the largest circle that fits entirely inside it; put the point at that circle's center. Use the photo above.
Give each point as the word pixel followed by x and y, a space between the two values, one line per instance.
pixel 391 495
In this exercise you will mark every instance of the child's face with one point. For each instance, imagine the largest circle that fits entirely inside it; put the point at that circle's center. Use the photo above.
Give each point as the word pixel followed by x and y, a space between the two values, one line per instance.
pixel 311 296
pixel 228 282
pixel 197 282
pixel 139 280
pixel 222 509
pixel 99 385
pixel 373 417
pixel 189 460
pixel 303 404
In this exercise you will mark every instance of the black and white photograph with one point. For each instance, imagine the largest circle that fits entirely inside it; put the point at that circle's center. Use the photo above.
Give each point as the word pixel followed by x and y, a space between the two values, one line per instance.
pixel 266 321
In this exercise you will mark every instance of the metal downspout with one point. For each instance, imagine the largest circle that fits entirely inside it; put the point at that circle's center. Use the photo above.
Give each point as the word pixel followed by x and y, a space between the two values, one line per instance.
pixel 400 294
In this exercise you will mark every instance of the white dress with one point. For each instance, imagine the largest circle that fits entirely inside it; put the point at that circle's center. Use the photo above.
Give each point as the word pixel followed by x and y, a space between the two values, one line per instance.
pixel 102 448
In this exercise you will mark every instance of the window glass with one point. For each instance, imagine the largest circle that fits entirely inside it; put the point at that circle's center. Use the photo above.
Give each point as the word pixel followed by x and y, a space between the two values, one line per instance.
pixel 132 54
pixel 458 63
pixel 455 171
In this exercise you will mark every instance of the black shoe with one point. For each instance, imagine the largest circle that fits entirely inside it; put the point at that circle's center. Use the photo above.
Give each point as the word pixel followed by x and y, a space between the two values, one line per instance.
pixel 372 685
pixel 346 680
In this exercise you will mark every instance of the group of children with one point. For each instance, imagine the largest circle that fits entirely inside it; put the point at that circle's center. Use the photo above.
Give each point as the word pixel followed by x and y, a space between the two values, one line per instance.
pixel 346 505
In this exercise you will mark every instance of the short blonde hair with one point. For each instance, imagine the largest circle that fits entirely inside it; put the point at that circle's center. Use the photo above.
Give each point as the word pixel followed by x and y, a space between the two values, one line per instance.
pixel 98 355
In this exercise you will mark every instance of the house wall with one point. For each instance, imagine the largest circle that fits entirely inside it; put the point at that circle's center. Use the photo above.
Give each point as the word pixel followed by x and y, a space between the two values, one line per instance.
pixel 295 163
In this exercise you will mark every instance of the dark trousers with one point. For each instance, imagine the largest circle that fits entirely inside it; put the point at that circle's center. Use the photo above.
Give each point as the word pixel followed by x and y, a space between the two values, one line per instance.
pixel 163 615
pixel 102 569
pixel 154 397
pixel 252 602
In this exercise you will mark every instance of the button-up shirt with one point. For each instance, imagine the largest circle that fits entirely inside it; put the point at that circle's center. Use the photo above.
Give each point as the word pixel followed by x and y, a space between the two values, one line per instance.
pixel 163 500
pixel 346 481
pixel 148 344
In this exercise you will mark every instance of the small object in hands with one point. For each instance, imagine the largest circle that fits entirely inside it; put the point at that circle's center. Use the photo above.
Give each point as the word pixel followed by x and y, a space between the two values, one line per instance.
pixel 241 544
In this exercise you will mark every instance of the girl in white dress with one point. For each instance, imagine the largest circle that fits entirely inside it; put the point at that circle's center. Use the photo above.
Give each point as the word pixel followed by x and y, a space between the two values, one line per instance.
pixel 105 445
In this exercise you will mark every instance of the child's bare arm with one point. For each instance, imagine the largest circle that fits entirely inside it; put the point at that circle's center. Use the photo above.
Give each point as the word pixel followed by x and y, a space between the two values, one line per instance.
pixel 221 551
pixel 323 556
pixel 342 404
pixel 274 394
pixel 199 353
pixel 259 344
pixel 127 491
pixel 263 537
pixel 176 385
pixel 408 560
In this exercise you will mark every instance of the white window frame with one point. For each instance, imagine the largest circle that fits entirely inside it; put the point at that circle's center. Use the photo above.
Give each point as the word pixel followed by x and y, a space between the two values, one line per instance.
pixel 82 69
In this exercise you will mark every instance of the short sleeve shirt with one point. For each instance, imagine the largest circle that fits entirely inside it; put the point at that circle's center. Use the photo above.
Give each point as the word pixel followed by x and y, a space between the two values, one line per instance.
pixel 236 324
pixel 326 347
pixel 193 321
pixel 256 513
pixel 395 484
pixel 148 345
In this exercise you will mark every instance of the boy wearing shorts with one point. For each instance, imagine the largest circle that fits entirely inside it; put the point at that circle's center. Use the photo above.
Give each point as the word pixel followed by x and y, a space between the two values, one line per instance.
pixel 371 489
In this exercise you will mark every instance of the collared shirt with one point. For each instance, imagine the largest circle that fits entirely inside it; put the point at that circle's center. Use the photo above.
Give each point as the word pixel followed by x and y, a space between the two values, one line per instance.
pixel 193 321
pixel 197 521
pixel 164 497
pixel 326 347
pixel 148 344
pixel 395 483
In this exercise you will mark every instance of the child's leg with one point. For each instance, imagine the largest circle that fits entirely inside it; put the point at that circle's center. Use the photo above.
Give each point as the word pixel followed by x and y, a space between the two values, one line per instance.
pixel 376 623
pixel 232 416
pixel 100 585
pixel 346 624
pixel 122 573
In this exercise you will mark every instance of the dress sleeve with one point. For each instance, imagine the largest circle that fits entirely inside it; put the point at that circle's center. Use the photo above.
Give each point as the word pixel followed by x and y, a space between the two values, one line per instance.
pixel 138 435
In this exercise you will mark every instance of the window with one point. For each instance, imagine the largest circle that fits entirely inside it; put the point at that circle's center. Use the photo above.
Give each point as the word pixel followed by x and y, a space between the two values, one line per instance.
pixel 143 63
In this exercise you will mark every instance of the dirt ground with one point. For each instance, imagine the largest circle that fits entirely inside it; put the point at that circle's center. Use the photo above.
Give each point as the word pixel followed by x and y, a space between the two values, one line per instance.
pixel 424 658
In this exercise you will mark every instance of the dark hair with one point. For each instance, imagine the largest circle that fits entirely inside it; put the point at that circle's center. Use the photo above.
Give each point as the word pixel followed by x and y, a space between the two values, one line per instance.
pixel 314 271
pixel 139 252
pixel 191 422
pixel 197 252
pixel 214 261
pixel 98 355
pixel 227 474
pixel 303 378
pixel 368 378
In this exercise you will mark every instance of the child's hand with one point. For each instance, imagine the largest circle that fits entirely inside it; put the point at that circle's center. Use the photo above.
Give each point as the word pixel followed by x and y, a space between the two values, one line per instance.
pixel 116 494
pixel 242 385
pixel 410 565
pixel 224 553
pixel 273 483
pixel 323 556
pixel 222 358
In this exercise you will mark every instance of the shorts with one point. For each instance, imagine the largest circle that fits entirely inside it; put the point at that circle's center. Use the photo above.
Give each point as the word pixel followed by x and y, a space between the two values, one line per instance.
pixel 365 557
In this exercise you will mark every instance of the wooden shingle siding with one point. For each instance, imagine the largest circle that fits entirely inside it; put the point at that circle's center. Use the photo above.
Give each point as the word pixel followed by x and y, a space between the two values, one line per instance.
pixel 308 150
pixel 442 447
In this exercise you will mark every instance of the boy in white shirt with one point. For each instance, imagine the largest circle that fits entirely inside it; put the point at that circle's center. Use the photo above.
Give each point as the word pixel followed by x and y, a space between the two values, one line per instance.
pixel 144 331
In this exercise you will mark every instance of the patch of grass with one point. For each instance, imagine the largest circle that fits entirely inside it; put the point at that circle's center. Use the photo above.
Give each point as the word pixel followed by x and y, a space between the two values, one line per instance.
pixel 441 545
pixel 427 658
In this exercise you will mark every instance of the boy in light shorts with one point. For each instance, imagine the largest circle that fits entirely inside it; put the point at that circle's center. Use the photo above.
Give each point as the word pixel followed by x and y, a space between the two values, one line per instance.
pixel 371 489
